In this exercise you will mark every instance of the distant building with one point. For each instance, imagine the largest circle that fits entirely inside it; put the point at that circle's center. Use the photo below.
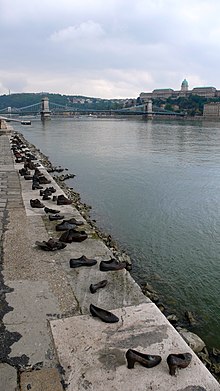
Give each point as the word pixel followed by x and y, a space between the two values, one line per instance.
pixel 164 93
pixel 207 92
pixel 211 110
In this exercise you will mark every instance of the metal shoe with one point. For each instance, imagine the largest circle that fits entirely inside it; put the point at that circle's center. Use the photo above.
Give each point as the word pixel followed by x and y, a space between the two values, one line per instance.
pixel 82 261
pixel 36 186
pixel 105 316
pixel 43 180
pixel 51 245
pixel 62 200
pixel 175 361
pixel 36 204
pixel 94 287
pixel 48 210
pixel 146 360
pixel 112 265
pixel 73 236
pixel 55 217
pixel 74 221
pixel 64 226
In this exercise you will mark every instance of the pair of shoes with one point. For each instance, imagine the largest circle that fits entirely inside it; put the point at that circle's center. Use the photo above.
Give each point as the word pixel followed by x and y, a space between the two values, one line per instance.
pixel 36 204
pixel 24 171
pixel 51 245
pixel 82 261
pixel 94 287
pixel 73 236
pixel 174 361
pixel 46 197
pixel 105 316
pixel 30 156
pixel 36 186
pixel 48 210
pixel 65 226
pixel 48 191
pixel 37 172
pixel 112 265
pixel 46 194
pixel 51 189
pixel 29 164
pixel 43 180
pixel 45 191
pixel 55 217
pixel 61 200
pixel 74 221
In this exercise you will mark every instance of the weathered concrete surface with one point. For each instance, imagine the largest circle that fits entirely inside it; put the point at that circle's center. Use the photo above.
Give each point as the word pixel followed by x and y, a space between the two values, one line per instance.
pixel 93 353
pixel 42 380
pixel 8 378
pixel 34 305
pixel 121 289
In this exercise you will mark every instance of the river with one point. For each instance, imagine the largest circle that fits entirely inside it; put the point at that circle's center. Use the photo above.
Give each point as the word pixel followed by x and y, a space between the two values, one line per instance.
pixel 155 187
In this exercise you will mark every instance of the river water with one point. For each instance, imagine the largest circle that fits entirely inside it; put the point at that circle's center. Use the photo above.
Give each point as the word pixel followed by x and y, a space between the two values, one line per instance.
pixel 155 187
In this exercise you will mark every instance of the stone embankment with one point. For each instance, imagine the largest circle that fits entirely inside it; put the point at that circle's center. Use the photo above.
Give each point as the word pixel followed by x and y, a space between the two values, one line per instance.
pixel 49 339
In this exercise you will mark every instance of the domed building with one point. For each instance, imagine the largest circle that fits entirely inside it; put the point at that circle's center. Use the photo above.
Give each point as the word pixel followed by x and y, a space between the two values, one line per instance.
pixel 165 93
pixel 184 85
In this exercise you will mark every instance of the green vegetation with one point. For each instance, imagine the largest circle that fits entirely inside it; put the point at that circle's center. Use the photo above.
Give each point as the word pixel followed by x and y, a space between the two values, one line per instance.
pixel 192 105
pixel 75 101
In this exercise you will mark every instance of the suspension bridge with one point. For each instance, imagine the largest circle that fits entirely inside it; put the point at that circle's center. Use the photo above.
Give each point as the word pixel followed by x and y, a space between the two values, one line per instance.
pixel 46 109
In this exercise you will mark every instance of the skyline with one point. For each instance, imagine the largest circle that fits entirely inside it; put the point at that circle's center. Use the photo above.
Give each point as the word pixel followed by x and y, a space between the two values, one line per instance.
pixel 115 50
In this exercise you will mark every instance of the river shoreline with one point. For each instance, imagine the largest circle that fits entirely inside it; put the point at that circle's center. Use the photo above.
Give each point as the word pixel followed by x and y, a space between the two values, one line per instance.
pixel 209 355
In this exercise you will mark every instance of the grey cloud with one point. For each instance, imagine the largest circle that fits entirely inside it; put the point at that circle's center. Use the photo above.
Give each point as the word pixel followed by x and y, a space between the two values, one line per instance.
pixel 85 31
pixel 108 45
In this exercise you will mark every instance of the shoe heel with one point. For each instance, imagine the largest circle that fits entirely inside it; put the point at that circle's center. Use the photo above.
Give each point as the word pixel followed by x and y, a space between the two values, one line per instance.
pixel 92 288
pixel 172 369
pixel 130 361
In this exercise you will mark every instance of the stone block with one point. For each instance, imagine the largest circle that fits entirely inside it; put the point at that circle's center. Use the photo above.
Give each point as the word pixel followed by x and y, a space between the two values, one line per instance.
pixel 8 377
pixel 92 353
pixel 41 380
pixel 193 340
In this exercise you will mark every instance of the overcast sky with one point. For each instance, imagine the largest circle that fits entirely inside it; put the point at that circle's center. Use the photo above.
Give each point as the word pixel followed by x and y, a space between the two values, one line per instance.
pixel 108 49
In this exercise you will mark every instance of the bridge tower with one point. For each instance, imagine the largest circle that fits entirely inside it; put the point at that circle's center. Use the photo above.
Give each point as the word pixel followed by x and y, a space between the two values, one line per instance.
pixel 45 111
pixel 149 109
pixel 9 111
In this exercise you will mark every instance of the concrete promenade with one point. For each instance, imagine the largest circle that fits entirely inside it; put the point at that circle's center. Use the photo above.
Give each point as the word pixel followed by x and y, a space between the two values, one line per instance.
pixel 48 339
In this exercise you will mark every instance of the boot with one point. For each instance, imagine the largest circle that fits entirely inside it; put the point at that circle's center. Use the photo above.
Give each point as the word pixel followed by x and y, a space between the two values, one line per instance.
pixel 61 200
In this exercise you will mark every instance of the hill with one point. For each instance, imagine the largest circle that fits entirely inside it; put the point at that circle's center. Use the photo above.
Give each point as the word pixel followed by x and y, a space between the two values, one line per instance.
pixel 74 101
